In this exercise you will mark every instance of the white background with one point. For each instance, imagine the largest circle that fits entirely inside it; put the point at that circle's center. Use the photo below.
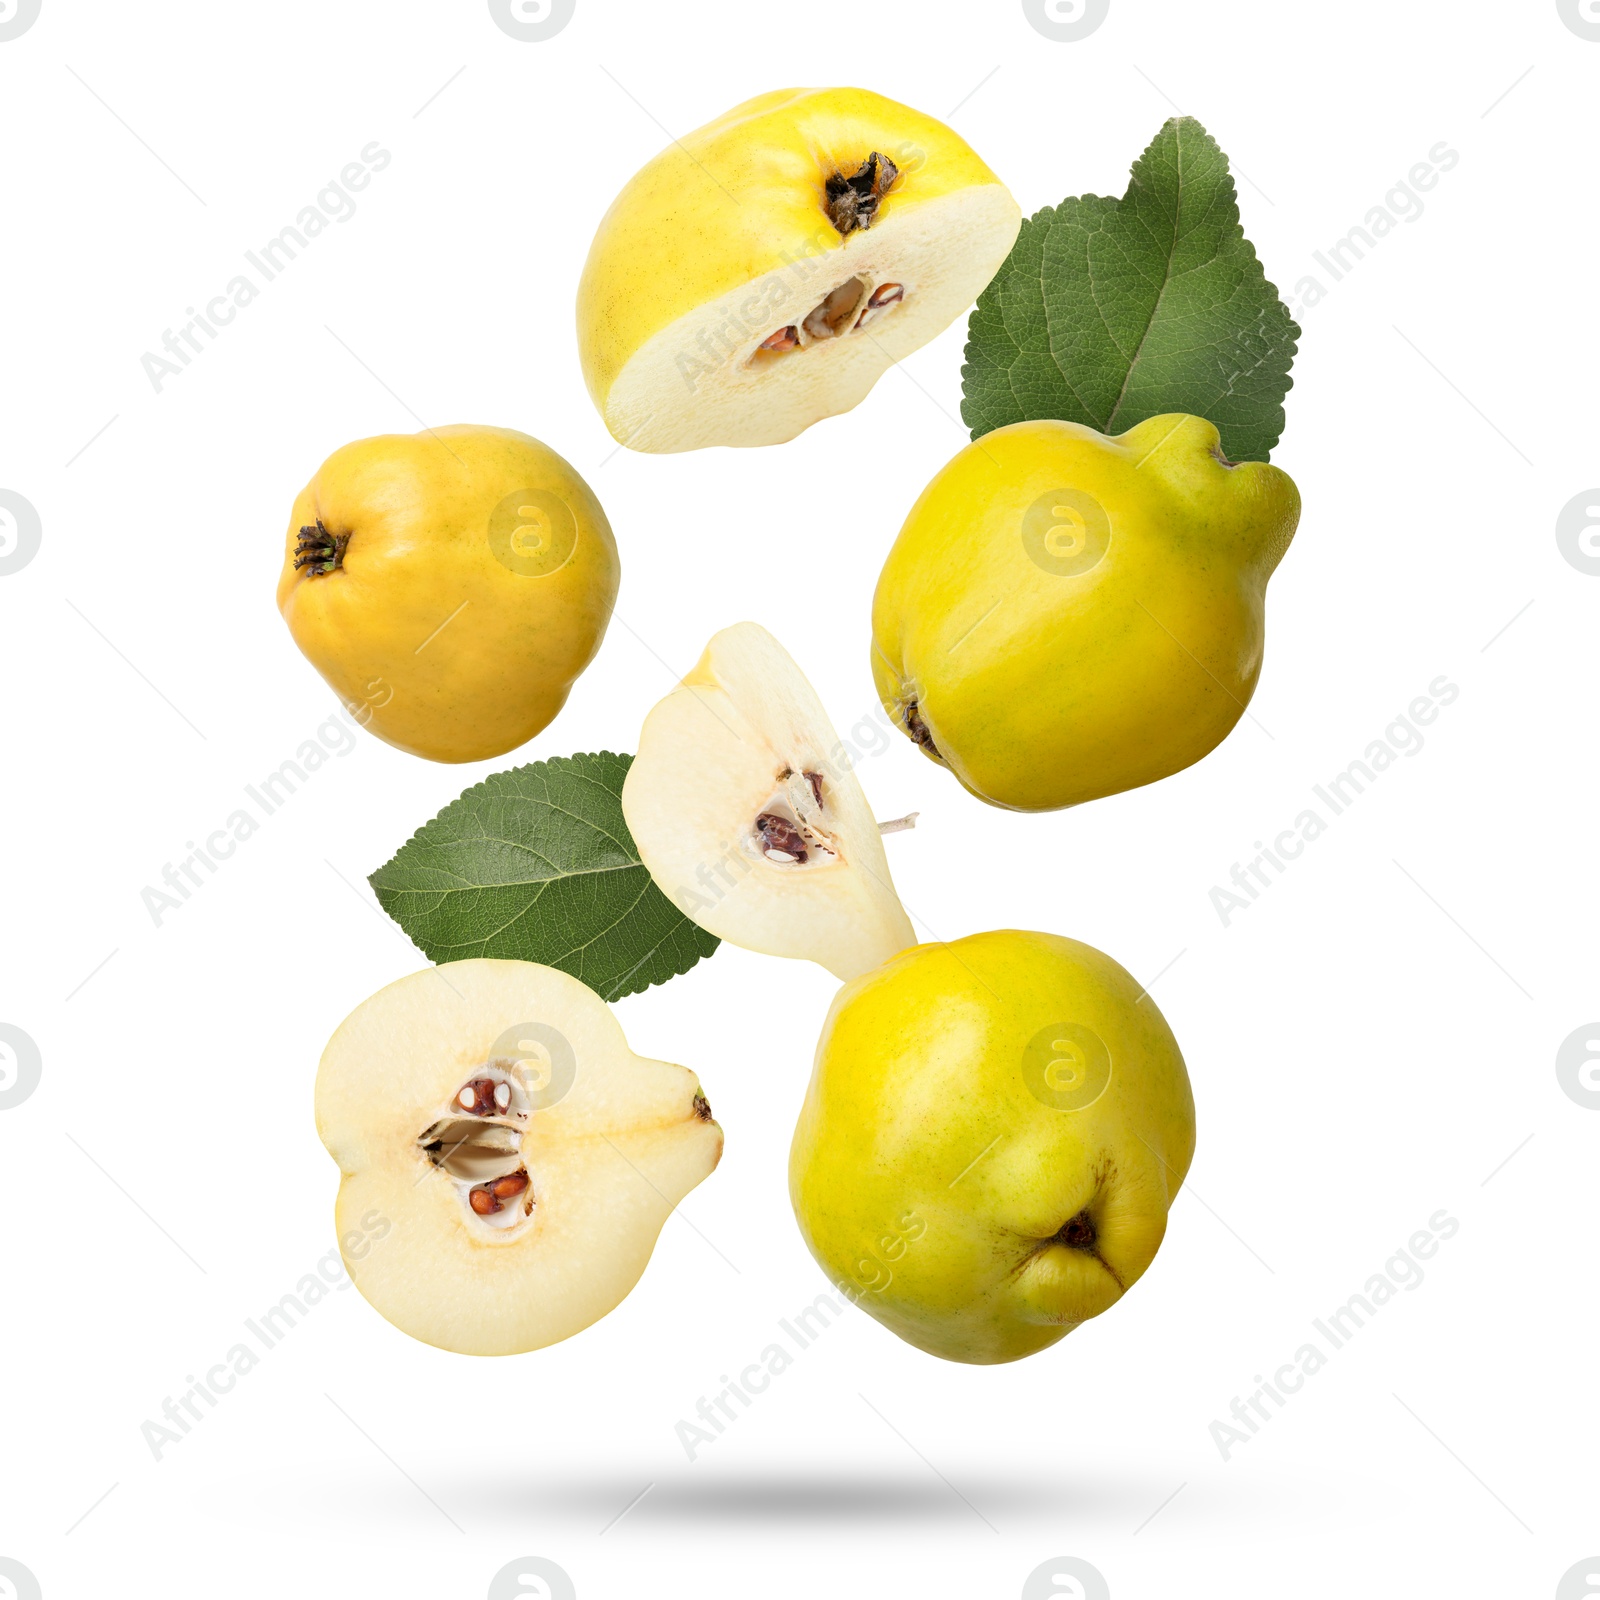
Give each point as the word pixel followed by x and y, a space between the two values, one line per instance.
pixel 1374 1040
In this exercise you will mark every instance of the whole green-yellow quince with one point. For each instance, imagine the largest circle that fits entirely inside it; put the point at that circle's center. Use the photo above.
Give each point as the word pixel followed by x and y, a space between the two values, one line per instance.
pixel 993 1134
pixel 1066 615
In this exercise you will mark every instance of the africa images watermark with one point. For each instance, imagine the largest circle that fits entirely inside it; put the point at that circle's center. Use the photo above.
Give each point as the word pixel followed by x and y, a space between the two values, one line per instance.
pixel 21 532
pixel 874 1272
pixel 1402 203
pixel 267 796
pixel 16 17
pixel 532 21
pixel 333 203
pixel 1402 1270
pixel 267 1330
pixel 1066 21
pixel 1403 737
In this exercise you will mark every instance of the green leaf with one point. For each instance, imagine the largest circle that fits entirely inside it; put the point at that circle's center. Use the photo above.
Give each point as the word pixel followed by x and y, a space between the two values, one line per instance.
pixel 537 864
pixel 1109 312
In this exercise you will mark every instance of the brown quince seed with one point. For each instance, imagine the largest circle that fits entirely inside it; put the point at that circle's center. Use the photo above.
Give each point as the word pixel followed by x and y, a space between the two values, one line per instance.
pixel 879 301
pixel 780 839
pixel 478 1096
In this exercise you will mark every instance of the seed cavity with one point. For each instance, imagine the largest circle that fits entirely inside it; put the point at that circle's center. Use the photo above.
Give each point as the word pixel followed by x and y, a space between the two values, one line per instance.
pixel 478 1144
pixel 790 830
pixel 853 201
pixel 471 1150
pixel 834 314
pixel 845 309
pixel 702 1108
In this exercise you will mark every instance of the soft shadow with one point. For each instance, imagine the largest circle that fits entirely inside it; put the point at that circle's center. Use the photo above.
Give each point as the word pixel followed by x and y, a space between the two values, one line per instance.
pixel 793 1497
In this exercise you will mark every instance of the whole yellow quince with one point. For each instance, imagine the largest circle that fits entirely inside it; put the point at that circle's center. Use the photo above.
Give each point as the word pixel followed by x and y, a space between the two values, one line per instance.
pixel 764 270
pixel 1066 615
pixel 450 585
pixel 993 1134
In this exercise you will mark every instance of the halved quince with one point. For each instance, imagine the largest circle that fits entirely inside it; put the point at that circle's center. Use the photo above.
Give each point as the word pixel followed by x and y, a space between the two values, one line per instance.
pixel 760 273
pixel 507 1161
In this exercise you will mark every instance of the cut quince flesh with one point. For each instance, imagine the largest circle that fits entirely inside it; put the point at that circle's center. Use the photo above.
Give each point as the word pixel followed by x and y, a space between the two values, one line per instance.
pixel 748 819
pixel 507 1161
